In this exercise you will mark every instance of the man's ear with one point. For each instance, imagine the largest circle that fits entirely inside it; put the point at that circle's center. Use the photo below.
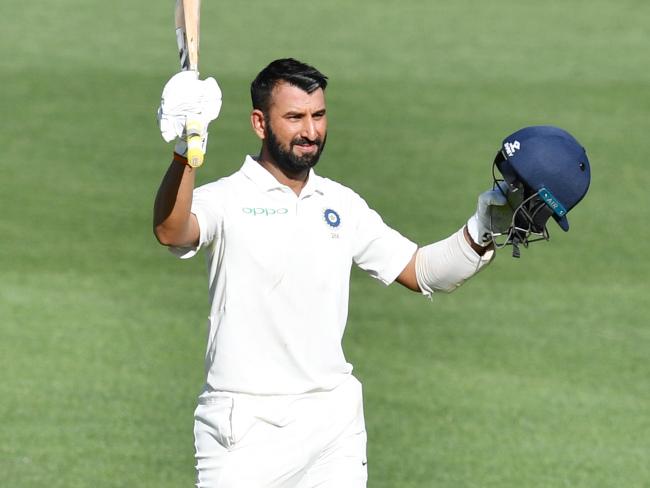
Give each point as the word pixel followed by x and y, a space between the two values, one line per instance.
pixel 258 123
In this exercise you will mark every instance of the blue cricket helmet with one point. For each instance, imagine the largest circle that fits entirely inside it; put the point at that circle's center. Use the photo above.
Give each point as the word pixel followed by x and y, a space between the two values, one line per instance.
pixel 549 162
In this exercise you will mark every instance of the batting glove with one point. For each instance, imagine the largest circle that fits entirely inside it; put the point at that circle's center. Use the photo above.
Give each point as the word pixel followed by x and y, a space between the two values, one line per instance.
pixel 493 215
pixel 185 99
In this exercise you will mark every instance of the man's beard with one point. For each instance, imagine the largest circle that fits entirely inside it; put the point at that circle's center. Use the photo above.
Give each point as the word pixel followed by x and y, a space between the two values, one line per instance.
pixel 286 159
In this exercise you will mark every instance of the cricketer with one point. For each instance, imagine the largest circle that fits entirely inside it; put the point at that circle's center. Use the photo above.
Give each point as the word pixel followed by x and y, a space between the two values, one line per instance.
pixel 280 406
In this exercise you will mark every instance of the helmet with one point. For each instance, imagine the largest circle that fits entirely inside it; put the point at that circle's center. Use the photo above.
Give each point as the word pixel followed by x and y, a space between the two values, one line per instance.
pixel 548 173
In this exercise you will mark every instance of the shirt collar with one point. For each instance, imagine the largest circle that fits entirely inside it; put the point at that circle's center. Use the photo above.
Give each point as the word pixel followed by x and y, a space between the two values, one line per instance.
pixel 267 182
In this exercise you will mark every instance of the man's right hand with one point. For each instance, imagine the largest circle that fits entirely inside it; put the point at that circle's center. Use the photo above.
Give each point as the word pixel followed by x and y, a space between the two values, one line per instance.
pixel 185 97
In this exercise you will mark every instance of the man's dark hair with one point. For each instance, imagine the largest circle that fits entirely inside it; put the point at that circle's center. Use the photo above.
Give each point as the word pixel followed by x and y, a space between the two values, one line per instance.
pixel 287 70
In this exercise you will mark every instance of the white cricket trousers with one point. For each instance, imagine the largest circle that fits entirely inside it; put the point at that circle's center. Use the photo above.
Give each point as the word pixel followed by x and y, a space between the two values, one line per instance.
pixel 289 441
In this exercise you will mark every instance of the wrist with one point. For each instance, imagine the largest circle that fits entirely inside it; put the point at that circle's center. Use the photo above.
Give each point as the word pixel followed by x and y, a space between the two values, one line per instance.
pixel 477 231
pixel 478 248
pixel 180 158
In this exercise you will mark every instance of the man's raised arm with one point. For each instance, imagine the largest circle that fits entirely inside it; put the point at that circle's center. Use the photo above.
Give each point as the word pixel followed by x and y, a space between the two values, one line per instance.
pixel 184 97
pixel 173 223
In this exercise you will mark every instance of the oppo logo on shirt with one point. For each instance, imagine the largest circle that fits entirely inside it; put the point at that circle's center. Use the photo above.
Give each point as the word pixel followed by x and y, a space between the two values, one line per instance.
pixel 264 212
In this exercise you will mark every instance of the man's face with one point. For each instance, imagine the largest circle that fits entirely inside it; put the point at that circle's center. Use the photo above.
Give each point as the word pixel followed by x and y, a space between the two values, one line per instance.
pixel 296 127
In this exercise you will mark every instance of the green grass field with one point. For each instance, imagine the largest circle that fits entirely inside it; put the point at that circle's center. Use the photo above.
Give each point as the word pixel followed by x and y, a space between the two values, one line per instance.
pixel 535 374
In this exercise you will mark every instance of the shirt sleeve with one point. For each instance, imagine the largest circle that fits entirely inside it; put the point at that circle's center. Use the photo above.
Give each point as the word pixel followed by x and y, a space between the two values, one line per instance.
pixel 208 208
pixel 377 248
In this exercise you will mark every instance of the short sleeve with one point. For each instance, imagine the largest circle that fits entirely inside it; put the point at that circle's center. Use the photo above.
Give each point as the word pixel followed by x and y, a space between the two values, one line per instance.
pixel 207 206
pixel 377 248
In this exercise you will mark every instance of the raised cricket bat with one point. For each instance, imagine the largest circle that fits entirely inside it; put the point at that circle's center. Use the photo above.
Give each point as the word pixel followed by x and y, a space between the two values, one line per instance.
pixel 188 18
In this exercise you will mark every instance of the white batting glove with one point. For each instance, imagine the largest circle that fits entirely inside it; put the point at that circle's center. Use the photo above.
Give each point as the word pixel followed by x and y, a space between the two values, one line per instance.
pixel 493 215
pixel 186 98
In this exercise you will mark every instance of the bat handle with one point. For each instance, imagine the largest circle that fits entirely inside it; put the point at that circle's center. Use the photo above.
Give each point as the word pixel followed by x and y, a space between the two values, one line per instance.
pixel 194 143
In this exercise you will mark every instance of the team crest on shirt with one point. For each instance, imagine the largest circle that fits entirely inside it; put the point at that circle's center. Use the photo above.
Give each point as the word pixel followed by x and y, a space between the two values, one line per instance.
pixel 333 221
pixel 332 218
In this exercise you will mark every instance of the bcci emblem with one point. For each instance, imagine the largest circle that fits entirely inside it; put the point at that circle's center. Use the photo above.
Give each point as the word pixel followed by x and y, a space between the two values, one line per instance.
pixel 331 218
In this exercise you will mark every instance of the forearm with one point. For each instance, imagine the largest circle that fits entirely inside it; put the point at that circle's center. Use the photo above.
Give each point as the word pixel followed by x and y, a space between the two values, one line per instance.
pixel 445 265
pixel 172 218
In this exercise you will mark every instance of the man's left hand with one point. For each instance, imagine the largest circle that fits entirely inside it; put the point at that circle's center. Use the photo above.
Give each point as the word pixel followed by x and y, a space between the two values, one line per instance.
pixel 493 215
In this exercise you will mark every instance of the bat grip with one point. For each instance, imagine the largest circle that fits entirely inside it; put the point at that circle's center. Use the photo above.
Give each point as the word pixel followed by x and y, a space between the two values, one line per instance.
pixel 195 152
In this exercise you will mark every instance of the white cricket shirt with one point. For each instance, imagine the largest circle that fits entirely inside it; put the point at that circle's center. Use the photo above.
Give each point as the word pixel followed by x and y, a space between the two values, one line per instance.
pixel 279 272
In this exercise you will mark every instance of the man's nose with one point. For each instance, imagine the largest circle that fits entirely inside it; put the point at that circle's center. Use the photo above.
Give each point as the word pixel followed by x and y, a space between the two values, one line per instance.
pixel 309 130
